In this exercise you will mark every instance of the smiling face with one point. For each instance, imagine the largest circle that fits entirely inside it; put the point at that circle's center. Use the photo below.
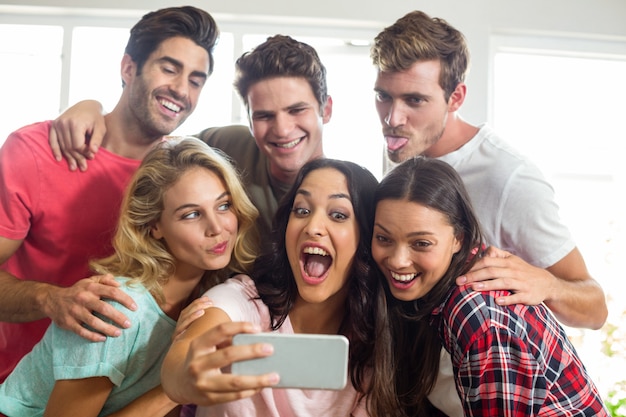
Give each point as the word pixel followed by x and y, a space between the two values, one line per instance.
pixel 412 109
pixel 322 237
pixel 413 246
pixel 198 223
pixel 287 123
pixel 165 91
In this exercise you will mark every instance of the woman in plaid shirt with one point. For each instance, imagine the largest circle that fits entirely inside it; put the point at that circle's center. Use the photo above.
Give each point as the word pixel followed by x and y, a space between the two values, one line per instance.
pixel 507 360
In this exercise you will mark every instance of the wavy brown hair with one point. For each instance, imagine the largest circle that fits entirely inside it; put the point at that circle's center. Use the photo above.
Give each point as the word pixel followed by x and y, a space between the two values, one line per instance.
pixel 276 284
pixel 419 37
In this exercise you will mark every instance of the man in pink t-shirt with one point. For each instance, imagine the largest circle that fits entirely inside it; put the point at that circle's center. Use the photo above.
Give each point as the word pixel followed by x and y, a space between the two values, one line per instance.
pixel 53 221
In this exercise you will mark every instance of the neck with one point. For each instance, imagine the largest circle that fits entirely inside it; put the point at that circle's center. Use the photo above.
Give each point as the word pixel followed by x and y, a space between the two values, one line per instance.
pixel 177 292
pixel 319 318
pixel 456 133
pixel 124 137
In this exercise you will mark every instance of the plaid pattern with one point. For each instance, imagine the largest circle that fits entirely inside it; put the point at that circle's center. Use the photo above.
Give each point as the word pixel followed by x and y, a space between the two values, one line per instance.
pixel 513 361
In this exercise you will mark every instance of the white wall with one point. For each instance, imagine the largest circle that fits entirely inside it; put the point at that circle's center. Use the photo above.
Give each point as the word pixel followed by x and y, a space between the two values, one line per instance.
pixel 477 19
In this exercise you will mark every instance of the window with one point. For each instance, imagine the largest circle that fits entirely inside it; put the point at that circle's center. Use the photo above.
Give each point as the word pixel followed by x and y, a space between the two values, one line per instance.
pixel 94 47
pixel 563 106
pixel 31 70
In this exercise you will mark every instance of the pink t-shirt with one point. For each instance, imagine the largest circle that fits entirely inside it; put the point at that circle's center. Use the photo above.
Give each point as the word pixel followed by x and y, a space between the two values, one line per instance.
pixel 64 218
pixel 237 298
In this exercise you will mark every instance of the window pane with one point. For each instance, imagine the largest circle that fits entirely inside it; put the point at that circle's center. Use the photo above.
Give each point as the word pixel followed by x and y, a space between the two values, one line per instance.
pixel 215 104
pixel 96 64
pixel 32 73
pixel 566 113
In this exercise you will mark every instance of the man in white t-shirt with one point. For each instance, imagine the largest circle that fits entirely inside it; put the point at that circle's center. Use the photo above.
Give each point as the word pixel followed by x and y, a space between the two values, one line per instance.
pixel 422 63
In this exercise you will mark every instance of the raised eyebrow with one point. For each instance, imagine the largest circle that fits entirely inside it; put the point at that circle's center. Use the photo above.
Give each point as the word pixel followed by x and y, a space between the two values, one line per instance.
pixel 306 193
pixel 194 205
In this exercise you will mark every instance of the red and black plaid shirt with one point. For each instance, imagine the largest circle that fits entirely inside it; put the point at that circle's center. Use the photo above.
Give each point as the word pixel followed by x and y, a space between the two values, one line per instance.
pixel 513 360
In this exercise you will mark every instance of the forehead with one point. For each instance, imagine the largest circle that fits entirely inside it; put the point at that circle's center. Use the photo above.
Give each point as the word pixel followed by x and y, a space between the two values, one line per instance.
pixel 419 76
pixel 197 184
pixel 279 93
pixel 183 50
pixel 407 216
pixel 325 181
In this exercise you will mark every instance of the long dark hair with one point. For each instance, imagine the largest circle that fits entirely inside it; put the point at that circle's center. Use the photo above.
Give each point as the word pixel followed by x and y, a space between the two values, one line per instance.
pixel 275 280
pixel 416 345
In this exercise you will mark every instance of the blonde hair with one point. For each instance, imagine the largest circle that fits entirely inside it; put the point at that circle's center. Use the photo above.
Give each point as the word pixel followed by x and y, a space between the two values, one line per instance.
pixel 145 259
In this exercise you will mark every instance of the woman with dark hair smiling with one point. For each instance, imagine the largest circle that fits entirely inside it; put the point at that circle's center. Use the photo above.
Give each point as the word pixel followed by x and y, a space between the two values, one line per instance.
pixel 316 277
pixel 508 360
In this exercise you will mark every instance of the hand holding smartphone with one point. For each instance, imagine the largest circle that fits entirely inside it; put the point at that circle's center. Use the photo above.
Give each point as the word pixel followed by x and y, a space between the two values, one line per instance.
pixel 308 361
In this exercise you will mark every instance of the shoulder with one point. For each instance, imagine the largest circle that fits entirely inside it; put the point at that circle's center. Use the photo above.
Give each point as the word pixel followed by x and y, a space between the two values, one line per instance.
pixel 28 140
pixel 225 136
pixel 239 298
pixel 469 313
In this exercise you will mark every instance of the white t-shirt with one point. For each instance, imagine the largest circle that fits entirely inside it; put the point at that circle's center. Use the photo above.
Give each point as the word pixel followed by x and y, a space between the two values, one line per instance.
pixel 518 213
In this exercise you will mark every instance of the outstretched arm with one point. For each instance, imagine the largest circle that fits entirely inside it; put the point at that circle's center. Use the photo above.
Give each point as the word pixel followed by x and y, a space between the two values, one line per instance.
pixel 70 308
pixel 191 372
pixel 566 287
pixel 86 398
pixel 77 133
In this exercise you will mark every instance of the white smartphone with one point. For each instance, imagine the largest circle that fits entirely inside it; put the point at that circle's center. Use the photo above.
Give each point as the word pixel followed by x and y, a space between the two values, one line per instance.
pixel 309 361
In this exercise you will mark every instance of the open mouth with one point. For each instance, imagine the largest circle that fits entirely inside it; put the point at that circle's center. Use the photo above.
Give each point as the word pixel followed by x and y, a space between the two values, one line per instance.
pixel 170 106
pixel 403 278
pixel 316 261
pixel 289 145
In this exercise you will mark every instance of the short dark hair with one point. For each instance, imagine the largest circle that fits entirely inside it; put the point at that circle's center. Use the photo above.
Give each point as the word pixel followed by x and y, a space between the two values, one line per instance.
pixel 281 56
pixel 155 27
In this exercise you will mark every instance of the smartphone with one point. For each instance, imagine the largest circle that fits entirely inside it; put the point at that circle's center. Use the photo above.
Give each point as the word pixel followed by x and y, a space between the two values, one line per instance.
pixel 309 361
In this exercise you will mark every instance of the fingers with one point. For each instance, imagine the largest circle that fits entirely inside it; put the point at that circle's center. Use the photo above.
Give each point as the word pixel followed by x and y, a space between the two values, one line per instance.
pixel 190 314
pixel 53 141
pixel 81 308
pixel 108 288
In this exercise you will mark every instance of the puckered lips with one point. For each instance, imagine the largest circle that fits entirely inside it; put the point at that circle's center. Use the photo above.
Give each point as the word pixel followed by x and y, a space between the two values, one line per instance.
pixel 314 263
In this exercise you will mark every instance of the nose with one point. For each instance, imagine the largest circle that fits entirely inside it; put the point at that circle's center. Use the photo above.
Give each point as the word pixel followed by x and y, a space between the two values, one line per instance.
pixel 398 258
pixel 395 115
pixel 316 226
pixel 213 226
pixel 283 125
pixel 179 86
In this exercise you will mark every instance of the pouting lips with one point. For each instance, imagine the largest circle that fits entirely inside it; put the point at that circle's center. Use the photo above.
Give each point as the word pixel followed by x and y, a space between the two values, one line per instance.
pixel 316 261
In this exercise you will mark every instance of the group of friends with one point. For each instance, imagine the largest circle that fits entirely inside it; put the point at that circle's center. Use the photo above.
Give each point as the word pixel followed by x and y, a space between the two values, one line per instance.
pixel 449 277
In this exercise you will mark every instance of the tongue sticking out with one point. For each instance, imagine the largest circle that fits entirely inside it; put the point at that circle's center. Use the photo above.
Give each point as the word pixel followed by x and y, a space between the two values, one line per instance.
pixel 316 265
pixel 395 143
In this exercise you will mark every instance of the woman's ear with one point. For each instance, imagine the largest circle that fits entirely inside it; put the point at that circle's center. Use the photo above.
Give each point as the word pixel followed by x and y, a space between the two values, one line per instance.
pixel 155 231
pixel 458 242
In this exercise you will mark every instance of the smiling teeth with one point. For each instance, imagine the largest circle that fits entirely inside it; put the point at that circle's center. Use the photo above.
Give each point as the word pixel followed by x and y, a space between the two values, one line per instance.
pixel 170 106
pixel 290 144
pixel 403 277
pixel 315 251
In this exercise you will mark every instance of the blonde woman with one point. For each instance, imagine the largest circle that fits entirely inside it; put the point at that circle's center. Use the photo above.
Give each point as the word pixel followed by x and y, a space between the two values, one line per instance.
pixel 185 225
